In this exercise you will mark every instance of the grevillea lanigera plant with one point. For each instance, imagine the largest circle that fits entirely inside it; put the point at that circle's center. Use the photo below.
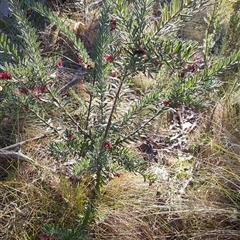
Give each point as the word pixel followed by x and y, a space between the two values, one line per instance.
pixel 96 132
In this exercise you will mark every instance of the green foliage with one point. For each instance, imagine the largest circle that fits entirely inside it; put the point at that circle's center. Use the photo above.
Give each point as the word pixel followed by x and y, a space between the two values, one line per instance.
pixel 129 41
pixel 45 11
pixel 62 233
pixel 178 12
pixel 232 39
pixel 11 53
pixel 214 22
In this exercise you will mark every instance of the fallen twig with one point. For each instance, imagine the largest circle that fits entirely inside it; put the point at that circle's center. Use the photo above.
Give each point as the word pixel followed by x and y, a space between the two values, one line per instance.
pixel 77 78
pixel 10 155
pixel 16 145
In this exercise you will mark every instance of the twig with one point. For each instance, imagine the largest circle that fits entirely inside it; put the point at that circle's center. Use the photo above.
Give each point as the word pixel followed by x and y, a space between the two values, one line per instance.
pixel 96 5
pixel 11 155
pixel 16 145
pixel 7 155
pixel 75 80
pixel 209 124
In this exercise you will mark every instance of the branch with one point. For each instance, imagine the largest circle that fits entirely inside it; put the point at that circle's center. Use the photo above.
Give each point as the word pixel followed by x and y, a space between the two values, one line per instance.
pixel 16 145
pixel 77 78
pixel 10 155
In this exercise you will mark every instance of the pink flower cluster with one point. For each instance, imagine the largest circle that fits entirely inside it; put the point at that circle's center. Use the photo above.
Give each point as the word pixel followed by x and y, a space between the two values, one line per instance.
pixel 113 24
pixel 5 76
pixel 35 90
pixel 107 145
pixel 194 67
pixel 60 63
pixel 109 58
pixel 84 65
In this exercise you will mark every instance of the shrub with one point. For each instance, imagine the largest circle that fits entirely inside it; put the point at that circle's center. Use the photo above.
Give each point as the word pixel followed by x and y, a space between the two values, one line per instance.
pixel 130 41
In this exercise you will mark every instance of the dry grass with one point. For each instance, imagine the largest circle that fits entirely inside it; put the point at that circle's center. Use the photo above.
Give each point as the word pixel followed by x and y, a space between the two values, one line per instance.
pixel 33 198
pixel 37 193
pixel 199 200
pixel 132 210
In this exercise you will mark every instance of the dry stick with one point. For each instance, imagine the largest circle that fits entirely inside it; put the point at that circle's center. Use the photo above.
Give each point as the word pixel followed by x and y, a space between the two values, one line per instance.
pixel 10 155
pixel 209 124
pixel 14 146
pixel 5 154
pixel 75 80
pixel 114 105
pixel 142 126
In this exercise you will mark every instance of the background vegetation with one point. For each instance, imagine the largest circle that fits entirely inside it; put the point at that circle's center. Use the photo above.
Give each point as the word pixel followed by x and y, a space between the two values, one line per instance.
pixel 120 120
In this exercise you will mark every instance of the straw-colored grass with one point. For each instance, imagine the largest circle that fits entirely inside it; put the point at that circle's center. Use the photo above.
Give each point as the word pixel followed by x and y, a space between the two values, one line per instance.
pixel 194 197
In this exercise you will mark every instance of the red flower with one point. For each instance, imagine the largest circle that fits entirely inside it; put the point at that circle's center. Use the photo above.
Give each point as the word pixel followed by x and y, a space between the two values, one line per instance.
pixel 60 63
pixel 109 58
pixel 70 136
pixel 39 89
pixel 140 51
pixel 117 175
pixel 151 182
pixel 5 75
pixel 28 12
pixel 181 74
pixel 113 75
pixel 191 68
pixel 80 60
pixel 73 180
pixel 25 108
pixel 166 102
pixel 113 24
pixel 44 237
pixel 107 145
pixel 42 88
pixel 88 66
